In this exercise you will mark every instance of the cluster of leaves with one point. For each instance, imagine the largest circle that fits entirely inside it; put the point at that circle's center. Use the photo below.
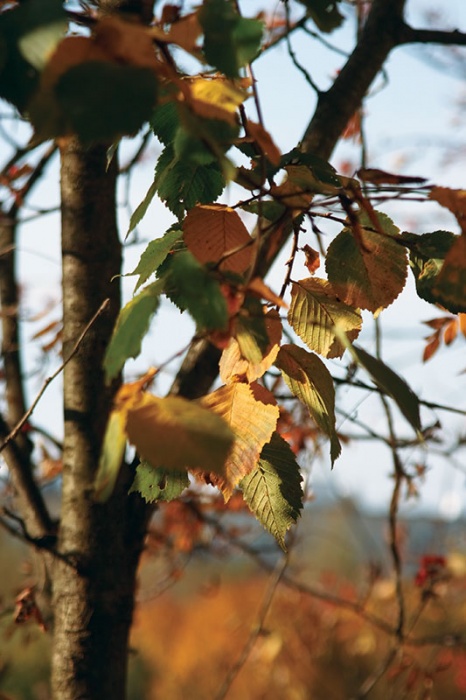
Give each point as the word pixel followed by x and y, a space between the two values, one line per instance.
pixel 101 86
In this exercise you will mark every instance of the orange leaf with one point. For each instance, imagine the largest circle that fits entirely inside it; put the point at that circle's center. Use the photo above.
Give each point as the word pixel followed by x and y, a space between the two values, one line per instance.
pixel 264 141
pixel 252 415
pixel 432 346
pixel 451 331
pixel 258 287
pixel 462 323
pixel 213 232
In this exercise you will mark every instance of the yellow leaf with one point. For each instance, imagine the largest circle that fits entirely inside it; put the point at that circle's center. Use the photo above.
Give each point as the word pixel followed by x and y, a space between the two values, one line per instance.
pixel 176 434
pixel 315 309
pixel 252 414
pixel 114 442
pixel 111 457
pixel 212 232
pixel 234 366
pixel 214 98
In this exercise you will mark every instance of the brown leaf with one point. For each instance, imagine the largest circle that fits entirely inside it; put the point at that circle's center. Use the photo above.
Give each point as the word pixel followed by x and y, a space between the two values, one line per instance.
pixel 184 31
pixel 212 232
pixel 27 610
pixel 454 200
pixel 312 258
pixel 381 177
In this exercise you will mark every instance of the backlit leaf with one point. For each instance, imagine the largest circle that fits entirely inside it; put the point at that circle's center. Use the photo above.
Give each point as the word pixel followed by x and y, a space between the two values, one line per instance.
pixel 250 331
pixel 230 41
pixel 154 255
pixel 214 98
pixel 111 457
pixel 234 365
pixel 192 286
pixel 131 327
pixel 315 309
pixel 367 269
pixel 309 380
pixel 273 489
pixel 157 484
pixel 211 231
pixel 178 434
pixel 252 414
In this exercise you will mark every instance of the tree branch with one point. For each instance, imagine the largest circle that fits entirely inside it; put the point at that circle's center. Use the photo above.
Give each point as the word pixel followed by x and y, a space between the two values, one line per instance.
pixel 410 35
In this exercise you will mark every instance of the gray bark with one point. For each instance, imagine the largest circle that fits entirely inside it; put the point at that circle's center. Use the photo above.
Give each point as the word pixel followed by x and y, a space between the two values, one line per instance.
pixel 93 594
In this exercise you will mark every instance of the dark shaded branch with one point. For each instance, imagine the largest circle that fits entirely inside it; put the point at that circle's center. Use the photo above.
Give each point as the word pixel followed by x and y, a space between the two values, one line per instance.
pixel 28 496
pixel 409 35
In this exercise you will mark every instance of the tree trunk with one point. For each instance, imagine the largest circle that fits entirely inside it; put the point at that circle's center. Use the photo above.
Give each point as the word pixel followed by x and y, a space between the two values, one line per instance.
pixel 94 593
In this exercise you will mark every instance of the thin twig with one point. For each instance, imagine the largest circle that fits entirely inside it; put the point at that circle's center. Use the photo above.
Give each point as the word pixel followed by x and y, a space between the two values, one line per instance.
pixel 399 477
pixel 11 436
pixel 275 579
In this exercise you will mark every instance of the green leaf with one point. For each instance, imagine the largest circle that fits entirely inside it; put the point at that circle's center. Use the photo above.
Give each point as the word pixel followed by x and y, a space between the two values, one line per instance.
pixel 230 41
pixel 25 33
pixel 177 434
pixel 437 263
pixel 273 489
pixel 322 170
pixel 324 13
pixel 96 100
pixel 140 211
pixel 182 184
pixel 315 309
pixel 192 286
pixel 368 268
pixel 131 326
pixel 309 380
pixel 389 382
pixel 165 122
pixel 157 484
pixel 111 457
pixel 155 254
